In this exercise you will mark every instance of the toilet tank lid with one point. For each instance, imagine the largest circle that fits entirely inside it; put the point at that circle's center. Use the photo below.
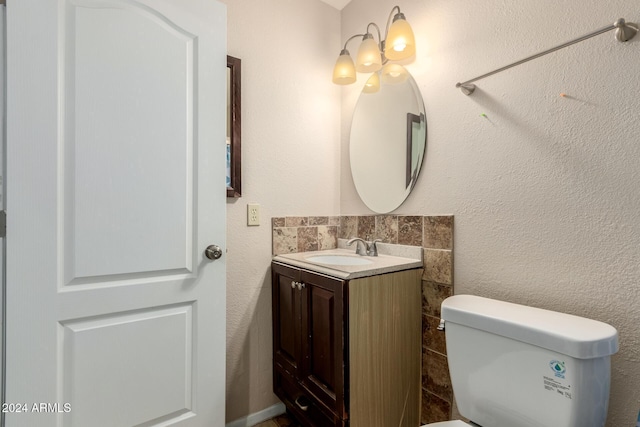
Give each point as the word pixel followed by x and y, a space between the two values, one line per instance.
pixel 567 334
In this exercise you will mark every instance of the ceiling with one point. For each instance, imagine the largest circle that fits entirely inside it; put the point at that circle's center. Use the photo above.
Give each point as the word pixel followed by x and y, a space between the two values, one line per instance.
pixel 338 4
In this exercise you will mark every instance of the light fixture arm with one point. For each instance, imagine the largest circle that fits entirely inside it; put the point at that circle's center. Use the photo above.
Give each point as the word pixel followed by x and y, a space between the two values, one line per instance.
pixel 380 41
pixel 386 31
pixel 344 49
pixel 377 29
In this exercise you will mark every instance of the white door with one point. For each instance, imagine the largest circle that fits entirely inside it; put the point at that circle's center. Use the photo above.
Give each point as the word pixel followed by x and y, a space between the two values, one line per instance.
pixel 115 171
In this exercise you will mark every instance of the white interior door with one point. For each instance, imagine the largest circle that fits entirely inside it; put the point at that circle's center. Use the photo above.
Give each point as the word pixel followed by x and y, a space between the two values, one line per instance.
pixel 115 171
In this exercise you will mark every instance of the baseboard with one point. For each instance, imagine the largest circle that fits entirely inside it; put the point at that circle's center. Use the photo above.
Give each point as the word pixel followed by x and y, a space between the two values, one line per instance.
pixel 258 417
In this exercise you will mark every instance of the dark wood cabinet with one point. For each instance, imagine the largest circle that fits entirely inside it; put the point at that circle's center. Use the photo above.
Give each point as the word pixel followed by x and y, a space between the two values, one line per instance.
pixel 311 346
pixel 308 342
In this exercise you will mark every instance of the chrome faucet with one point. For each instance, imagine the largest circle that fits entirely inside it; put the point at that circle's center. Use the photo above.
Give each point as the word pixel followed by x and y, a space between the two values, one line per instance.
pixel 365 248
pixel 361 245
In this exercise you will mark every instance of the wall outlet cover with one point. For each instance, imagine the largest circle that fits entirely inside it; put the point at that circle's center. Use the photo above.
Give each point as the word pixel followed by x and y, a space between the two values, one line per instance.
pixel 253 214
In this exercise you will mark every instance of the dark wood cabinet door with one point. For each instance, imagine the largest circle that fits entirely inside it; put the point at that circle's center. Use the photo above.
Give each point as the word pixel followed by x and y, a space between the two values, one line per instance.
pixel 287 320
pixel 323 340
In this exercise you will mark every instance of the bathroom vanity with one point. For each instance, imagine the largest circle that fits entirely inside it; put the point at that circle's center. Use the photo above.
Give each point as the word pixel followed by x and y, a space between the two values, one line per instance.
pixel 347 338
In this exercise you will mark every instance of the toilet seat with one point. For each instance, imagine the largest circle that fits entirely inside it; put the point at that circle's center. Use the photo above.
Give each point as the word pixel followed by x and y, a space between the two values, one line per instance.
pixel 455 423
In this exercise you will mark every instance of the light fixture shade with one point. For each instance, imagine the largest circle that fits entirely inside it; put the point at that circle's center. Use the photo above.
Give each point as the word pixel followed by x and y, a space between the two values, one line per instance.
pixel 393 74
pixel 373 84
pixel 344 72
pixel 369 58
pixel 400 43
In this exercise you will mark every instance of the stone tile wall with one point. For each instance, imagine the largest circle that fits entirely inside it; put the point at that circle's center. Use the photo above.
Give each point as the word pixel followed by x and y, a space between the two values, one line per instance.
pixel 435 235
pixel 303 234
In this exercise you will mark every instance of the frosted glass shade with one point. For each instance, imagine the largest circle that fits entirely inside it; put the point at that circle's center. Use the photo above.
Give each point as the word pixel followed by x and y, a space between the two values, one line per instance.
pixel 369 58
pixel 394 74
pixel 373 84
pixel 400 43
pixel 344 72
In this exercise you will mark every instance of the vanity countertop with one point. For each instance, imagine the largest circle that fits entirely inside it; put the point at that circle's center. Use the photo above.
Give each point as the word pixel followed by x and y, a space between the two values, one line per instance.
pixel 390 258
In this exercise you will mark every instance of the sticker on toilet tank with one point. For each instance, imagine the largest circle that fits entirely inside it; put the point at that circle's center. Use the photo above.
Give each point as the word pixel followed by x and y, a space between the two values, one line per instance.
pixel 558 368
pixel 558 383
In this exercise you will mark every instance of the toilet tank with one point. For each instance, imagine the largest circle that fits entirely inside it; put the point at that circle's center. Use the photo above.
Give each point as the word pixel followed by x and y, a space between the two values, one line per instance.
pixel 517 366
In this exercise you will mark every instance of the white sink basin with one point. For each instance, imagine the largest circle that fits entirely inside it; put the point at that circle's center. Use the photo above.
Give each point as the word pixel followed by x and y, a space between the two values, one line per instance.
pixel 344 264
pixel 339 260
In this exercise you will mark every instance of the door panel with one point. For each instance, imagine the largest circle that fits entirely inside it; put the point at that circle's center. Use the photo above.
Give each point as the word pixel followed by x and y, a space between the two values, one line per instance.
pixel 287 313
pixel 115 148
pixel 116 138
pixel 323 332
pixel 155 351
pixel 286 319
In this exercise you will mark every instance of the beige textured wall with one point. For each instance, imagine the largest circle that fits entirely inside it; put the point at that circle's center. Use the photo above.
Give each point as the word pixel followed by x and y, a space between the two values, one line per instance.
pixel 290 166
pixel 544 190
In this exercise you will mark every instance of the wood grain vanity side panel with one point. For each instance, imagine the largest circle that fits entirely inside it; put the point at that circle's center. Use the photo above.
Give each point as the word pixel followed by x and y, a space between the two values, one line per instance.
pixel 385 350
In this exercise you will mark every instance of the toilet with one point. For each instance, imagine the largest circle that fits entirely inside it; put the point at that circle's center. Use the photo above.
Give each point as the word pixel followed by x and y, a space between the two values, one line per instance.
pixel 517 366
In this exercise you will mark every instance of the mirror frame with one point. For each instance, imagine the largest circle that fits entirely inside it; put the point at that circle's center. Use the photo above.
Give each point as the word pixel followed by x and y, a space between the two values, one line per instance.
pixel 235 67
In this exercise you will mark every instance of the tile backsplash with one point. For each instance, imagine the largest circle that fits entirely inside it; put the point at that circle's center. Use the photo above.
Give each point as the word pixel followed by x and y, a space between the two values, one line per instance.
pixel 293 234
pixel 303 234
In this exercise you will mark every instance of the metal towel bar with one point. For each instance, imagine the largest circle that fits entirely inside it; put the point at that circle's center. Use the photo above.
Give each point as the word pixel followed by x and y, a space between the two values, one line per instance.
pixel 624 32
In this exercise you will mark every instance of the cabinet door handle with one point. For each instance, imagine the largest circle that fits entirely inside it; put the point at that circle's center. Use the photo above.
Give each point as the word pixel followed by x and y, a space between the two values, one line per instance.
pixel 299 285
pixel 302 405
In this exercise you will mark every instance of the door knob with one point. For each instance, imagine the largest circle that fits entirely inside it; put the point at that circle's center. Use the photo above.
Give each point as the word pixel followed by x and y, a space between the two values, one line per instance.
pixel 213 252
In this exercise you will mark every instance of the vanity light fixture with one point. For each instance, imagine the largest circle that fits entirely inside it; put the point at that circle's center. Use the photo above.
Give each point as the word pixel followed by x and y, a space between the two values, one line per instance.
pixel 399 44
pixel 373 84
pixel 394 74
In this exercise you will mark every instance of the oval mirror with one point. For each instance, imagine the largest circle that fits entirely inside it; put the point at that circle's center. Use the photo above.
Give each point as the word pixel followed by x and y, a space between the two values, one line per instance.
pixel 388 141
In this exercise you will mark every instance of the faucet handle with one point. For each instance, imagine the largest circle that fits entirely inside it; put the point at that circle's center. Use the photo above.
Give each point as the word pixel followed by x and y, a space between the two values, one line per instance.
pixel 362 247
pixel 372 249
